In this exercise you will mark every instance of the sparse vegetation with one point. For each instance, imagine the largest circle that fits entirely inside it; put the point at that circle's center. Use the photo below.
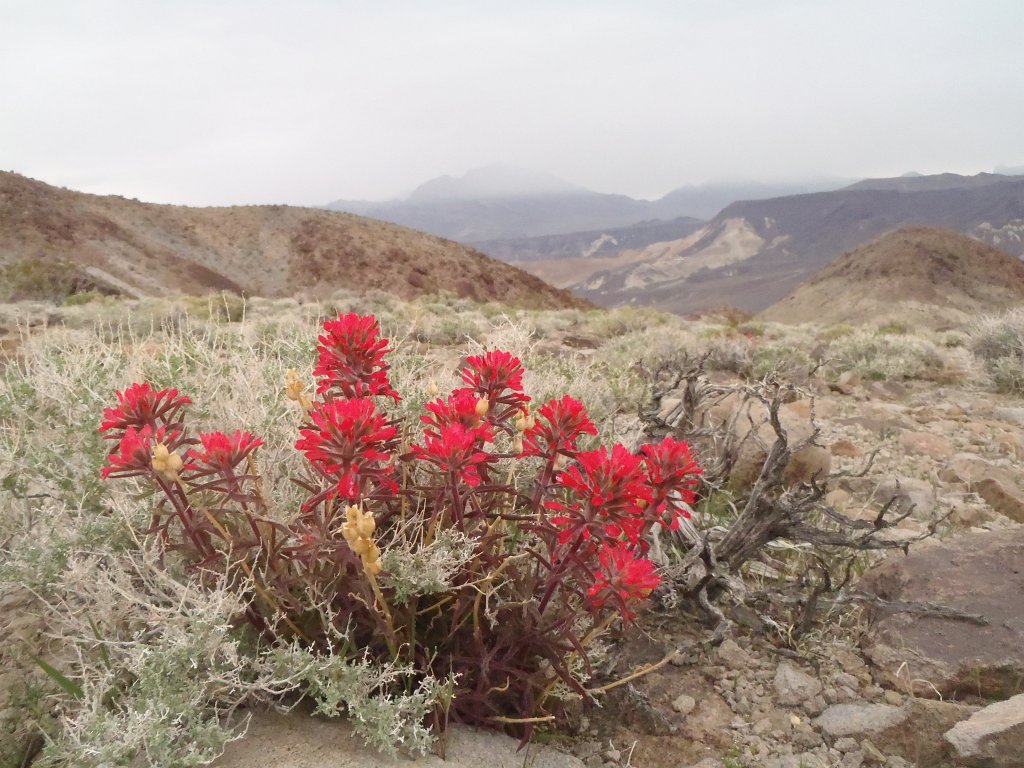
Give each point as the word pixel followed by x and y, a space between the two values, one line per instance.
pixel 998 342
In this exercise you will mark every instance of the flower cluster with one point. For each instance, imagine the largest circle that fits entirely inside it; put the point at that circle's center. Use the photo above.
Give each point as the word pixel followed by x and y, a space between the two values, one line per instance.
pixel 556 531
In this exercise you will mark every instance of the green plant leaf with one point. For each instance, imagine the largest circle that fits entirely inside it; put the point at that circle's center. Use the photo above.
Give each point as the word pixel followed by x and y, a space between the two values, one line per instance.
pixel 72 688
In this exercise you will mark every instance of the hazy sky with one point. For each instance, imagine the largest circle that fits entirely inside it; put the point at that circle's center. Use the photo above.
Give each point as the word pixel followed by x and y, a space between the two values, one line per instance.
pixel 237 101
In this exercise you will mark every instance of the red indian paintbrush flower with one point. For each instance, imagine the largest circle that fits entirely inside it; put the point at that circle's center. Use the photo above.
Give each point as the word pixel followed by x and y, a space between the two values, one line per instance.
pixel 139 406
pixel 459 408
pixel 622 578
pixel 559 427
pixel 222 451
pixel 134 454
pixel 351 358
pixel 496 376
pixel 672 474
pixel 457 449
pixel 351 441
pixel 607 496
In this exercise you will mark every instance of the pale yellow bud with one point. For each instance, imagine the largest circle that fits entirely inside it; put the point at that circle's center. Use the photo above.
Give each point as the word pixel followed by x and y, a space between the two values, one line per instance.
pixel 366 526
pixel 353 513
pixel 517 445
pixel 293 385
pixel 165 462
pixel 483 405
pixel 373 568
pixel 372 553
pixel 350 532
pixel 360 546
pixel 561 461
pixel 432 390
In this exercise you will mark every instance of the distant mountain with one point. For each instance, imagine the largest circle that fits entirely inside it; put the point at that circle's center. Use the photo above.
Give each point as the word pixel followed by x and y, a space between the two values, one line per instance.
pixel 500 203
pixel 705 200
pixel 920 276
pixel 755 252
pixel 129 248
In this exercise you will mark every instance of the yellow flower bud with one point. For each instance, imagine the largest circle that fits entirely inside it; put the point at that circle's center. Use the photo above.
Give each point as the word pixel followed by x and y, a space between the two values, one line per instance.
pixel 360 546
pixel 366 526
pixel 353 513
pixel 373 568
pixel 517 445
pixel 483 405
pixel 165 462
pixel 432 390
pixel 293 385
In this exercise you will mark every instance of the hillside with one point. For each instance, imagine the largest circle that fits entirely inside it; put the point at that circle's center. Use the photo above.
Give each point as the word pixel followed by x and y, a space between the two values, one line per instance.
pixel 137 249
pixel 918 276
pixel 755 252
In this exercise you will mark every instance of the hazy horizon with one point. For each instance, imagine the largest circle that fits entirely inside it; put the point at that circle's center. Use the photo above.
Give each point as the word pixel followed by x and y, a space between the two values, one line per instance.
pixel 312 101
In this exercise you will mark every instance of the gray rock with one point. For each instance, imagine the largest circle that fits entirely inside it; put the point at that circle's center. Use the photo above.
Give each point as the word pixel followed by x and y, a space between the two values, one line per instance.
pixel 732 656
pixel 1009 415
pixel 684 704
pixel 793 686
pixel 992 737
pixel 858 719
pixel 299 741
pixel 979 573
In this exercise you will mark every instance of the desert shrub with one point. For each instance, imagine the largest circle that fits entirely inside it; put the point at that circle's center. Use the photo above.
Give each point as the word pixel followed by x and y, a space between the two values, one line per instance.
pixel 791 363
pixel 998 342
pixel 885 357
pixel 892 328
pixel 460 562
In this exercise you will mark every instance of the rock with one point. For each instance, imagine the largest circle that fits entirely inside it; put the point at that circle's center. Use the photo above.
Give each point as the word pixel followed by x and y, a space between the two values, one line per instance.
pixel 858 719
pixel 732 656
pixel 298 741
pixel 996 486
pixel 918 735
pixel 978 573
pixel 1009 415
pixel 908 491
pixel 846 449
pixel 992 737
pixel 807 464
pixel 684 704
pixel 846 744
pixel 709 762
pixel 847 382
pixel 926 444
pixel 793 687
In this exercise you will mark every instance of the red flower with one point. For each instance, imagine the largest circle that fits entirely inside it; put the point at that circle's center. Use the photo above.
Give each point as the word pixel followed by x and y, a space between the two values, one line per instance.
pixel 607 496
pixel 560 425
pixel 622 578
pixel 352 442
pixel 134 454
pixel 673 475
pixel 222 452
pixel 459 408
pixel 457 449
pixel 139 406
pixel 498 376
pixel 351 358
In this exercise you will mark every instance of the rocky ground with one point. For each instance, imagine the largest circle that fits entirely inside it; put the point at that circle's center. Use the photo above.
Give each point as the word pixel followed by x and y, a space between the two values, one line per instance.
pixel 864 688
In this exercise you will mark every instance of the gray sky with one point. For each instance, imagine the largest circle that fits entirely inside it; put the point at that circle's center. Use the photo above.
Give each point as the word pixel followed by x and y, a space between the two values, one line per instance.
pixel 241 101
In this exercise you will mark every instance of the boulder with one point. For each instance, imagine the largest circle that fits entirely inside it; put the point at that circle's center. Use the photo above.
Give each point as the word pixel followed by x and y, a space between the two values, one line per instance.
pixel 1000 490
pixel 992 737
pixel 793 686
pixel 976 573
pixel 925 443
pixel 299 741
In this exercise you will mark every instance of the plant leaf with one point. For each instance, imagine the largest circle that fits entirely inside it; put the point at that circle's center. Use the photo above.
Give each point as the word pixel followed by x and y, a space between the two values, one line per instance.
pixel 71 687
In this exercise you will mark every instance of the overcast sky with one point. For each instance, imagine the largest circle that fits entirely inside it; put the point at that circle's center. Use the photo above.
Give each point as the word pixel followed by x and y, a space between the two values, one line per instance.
pixel 240 101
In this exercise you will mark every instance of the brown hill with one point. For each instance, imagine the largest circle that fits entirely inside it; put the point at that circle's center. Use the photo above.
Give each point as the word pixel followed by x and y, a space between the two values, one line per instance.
pixel 919 276
pixel 125 247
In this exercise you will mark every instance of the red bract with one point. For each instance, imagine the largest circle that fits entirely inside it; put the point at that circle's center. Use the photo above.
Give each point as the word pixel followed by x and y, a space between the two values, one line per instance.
pixel 221 451
pixel 558 428
pixel 350 441
pixel 457 449
pixel 673 475
pixel 458 408
pixel 351 358
pixel 139 406
pixel 607 496
pixel 622 578
pixel 134 454
pixel 498 376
